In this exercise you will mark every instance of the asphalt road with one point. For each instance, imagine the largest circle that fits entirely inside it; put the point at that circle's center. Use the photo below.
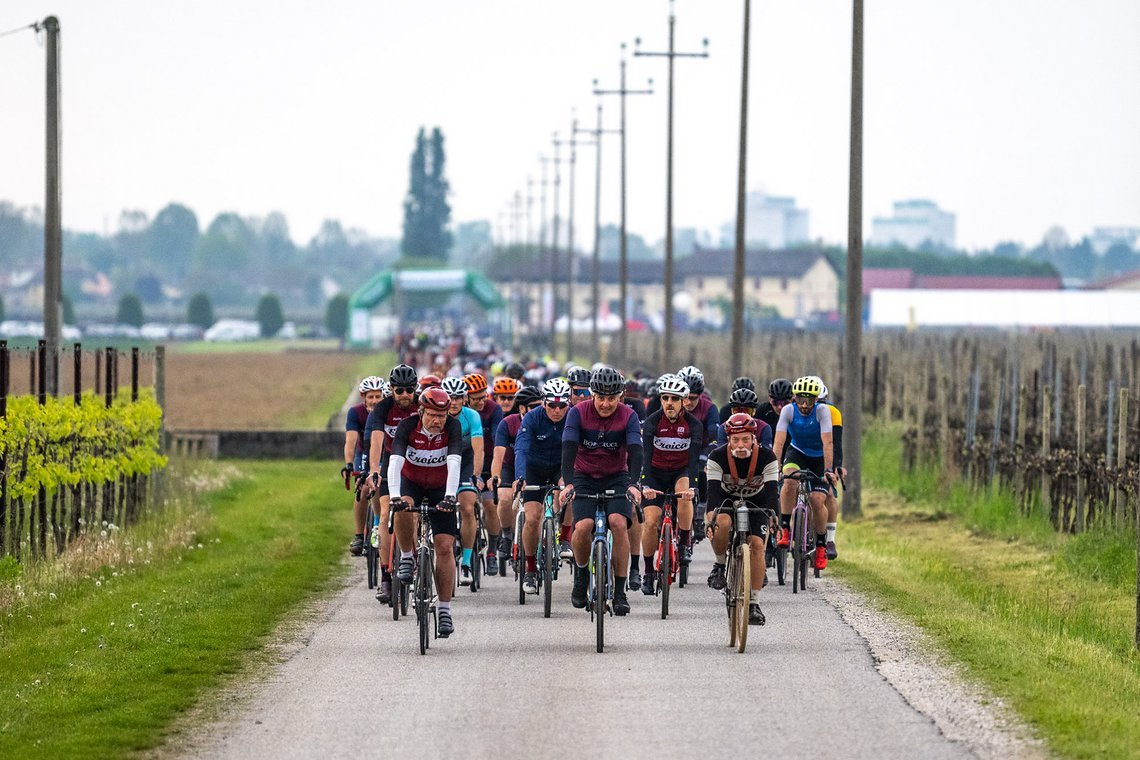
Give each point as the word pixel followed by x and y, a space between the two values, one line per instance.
pixel 511 684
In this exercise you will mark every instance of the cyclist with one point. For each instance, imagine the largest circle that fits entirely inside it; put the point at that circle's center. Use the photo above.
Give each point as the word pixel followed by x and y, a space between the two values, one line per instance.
pixel 515 370
pixel 579 380
pixel 601 450
pixel 742 468
pixel 538 462
pixel 383 420
pixel 632 398
pixel 490 415
pixel 471 430
pixel 698 404
pixel 673 438
pixel 740 382
pixel 806 426
pixel 503 463
pixel 355 451
pixel 745 400
pixel 425 463
pixel 779 396
pixel 841 471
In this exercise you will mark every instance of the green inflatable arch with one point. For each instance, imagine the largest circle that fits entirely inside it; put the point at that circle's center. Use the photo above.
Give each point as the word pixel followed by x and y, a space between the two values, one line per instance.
pixel 384 284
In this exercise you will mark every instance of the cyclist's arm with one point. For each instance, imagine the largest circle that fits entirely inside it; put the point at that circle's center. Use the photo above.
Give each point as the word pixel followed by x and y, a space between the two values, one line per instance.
pixel 765 436
pixel 477 446
pixel 396 460
pixel 714 475
pixel 837 437
pixel 497 461
pixel 823 415
pixel 696 435
pixel 522 448
pixel 351 438
pixel 454 455
pixel 634 451
pixel 648 432
pixel 782 431
pixel 571 436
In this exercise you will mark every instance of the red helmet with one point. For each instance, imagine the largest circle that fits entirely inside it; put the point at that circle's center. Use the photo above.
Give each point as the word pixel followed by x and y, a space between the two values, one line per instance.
pixel 429 381
pixel 435 398
pixel 740 423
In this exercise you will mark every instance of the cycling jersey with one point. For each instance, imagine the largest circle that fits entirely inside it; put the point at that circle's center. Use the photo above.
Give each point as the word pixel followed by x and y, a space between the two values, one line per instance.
pixel 489 418
pixel 538 444
pixel 357 420
pixel 429 461
pixel 505 436
pixel 752 478
pixel 387 416
pixel 768 413
pixel 805 432
pixel 673 445
pixel 763 434
pixel 836 434
pixel 706 413
pixel 638 407
pixel 470 425
pixel 599 447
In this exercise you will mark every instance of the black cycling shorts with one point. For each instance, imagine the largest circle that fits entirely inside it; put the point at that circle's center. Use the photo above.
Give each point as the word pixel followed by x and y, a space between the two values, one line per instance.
pixel 802 461
pixel 662 480
pixel 442 523
pixel 616 505
pixel 466 471
pixel 537 475
pixel 507 476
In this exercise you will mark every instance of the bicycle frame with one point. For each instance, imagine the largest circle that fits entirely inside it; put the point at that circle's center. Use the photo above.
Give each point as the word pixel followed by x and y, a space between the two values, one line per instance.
pixel 803 537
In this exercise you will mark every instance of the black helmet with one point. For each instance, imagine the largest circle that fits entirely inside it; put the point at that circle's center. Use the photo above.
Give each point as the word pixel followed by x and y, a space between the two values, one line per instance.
pixel 606 381
pixel 403 376
pixel 743 382
pixel 744 397
pixel 632 387
pixel 780 389
pixel 579 376
pixel 649 387
pixel 528 395
pixel 515 370
pixel 694 378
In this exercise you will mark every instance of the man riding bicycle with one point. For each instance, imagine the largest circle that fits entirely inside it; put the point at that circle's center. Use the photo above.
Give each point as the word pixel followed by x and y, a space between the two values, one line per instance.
pixel 503 464
pixel 673 439
pixel 742 468
pixel 356 448
pixel 471 430
pixel 425 463
pixel 538 462
pixel 806 425
pixel 601 451
pixel 745 400
pixel 490 415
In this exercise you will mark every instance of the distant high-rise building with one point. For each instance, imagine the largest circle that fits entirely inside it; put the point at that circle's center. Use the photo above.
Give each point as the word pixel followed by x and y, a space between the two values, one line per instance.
pixel 914 224
pixel 770 221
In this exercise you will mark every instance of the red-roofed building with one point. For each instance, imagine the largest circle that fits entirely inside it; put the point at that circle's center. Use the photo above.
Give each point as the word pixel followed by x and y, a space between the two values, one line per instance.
pixel 1126 281
pixel 982 282
pixel 893 279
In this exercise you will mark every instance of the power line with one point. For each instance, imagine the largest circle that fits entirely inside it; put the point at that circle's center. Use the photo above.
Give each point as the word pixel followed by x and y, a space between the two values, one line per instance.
pixel 34 25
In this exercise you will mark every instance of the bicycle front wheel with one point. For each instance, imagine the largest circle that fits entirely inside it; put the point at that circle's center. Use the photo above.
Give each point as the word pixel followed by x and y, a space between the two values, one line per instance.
pixel 601 574
pixel 423 598
pixel 731 592
pixel 744 596
pixel 394 601
pixel 549 551
pixel 665 576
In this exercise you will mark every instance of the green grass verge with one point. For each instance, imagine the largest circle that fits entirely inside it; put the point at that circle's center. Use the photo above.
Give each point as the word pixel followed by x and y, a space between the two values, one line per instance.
pixel 1045 620
pixel 102 668
pixel 329 398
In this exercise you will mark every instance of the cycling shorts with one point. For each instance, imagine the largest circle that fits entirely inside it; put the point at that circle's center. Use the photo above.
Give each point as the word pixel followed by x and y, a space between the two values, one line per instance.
pixel 662 480
pixel 507 476
pixel 536 475
pixel 442 523
pixel 466 472
pixel 797 460
pixel 616 505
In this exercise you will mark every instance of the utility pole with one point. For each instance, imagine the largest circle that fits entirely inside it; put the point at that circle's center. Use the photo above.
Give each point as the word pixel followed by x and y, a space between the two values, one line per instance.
pixel 671 55
pixel 571 257
pixel 623 275
pixel 741 176
pixel 53 228
pixel 542 252
pixel 556 162
pixel 853 346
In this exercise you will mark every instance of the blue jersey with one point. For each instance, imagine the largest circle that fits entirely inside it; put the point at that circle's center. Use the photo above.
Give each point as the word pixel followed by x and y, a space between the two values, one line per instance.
pixel 805 431
pixel 470 424
pixel 357 420
pixel 539 441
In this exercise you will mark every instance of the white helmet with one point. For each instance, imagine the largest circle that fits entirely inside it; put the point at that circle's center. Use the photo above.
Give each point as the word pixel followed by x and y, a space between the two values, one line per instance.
pixel 456 387
pixel 371 383
pixel 556 389
pixel 823 388
pixel 672 386
pixel 385 388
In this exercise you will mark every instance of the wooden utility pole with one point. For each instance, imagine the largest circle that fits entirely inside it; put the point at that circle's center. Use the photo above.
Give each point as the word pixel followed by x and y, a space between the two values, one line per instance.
pixel 741 180
pixel 853 346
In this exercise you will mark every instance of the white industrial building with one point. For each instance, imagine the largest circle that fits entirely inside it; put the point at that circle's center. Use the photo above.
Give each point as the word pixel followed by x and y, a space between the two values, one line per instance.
pixel 915 308
pixel 914 224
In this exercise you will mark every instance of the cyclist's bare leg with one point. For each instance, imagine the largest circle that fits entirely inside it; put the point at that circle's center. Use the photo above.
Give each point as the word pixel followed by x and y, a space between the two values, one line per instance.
pixel 467 519
pixel 385 539
pixel 506 508
pixel 623 537
pixel 819 512
pixel 531 527
pixel 788 492
pixel 444 566
pixel 491 518
pixel 756 559
pixel 649 534
pixel 684 505
pixel 405 530
pixel 634 534
pixel 720 538
pixel 583 535
pixel 360 514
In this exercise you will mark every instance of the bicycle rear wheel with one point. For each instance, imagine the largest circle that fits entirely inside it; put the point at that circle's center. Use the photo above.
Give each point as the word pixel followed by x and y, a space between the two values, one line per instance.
pixel 423 598
pixel 371 555
pixel 665 577
pixel 601 576
pixel 798 565
pixel 744 597
pixel 548 551
pixel 404 593
pixel 731 593
pixel 398 590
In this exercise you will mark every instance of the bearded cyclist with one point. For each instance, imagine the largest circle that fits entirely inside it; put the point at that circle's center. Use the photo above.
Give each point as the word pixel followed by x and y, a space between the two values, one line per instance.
pixel 673 439
pixel 382 423
pixel 425 463
pixel 601 451
pixel 745 469
pixel 356 451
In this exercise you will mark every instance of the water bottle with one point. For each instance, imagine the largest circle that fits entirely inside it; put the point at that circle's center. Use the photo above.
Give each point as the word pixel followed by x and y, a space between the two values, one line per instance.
pixel 374 537
pixel 742 519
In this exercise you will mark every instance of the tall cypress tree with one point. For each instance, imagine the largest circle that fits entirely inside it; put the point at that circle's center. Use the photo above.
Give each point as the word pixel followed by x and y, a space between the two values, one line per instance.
pixel 426 210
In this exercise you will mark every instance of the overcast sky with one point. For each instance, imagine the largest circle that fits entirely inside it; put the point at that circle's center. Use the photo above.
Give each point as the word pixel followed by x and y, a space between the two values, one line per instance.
pixel 1014 114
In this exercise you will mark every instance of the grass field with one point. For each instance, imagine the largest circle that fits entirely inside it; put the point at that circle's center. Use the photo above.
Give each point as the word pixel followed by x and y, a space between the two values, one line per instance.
pixel 1045 620
pixel 98 663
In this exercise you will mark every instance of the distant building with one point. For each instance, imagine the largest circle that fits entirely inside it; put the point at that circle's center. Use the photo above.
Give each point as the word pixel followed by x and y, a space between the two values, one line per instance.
pixel 1104 238
pixel 770 221
pixel 914 224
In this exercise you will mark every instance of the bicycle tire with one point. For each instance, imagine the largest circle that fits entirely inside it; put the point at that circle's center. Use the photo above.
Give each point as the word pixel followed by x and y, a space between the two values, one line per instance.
pixel 520 572
pixel 781 561
pixel 549 550
pixel 601 572
pixel 394 600
pixel 665 576
pixel 476 566
pixel 423 597
pixel 745 598
pixel 370 557
pixel 405 592
pixel 732 580
pixel 797 548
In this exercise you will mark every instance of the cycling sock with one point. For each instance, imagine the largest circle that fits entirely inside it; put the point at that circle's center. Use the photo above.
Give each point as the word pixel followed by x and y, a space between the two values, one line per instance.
pixel 754 596
pixel 580 567
pixel 831 531
pixel 441 606
pixel 405 555
pixel 686 537
pixel 359 535
pixel 564 533
pixel 785 521
pixel 506 533
pixel 721 559
pixel 467 557
pixel 635 562
pixel 531 564
pixel 619 585
pixel 821 539
pixel 386 575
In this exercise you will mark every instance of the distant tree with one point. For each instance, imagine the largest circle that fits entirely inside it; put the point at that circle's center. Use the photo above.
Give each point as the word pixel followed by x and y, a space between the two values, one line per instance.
pixel 1120 258
pixel 200 311
pixel 172 237
pixel 130 311
pixel 269 315
pixel 149 289
pixel 68 310
pixel 426 210
pixel 1008 250
pixel 336 316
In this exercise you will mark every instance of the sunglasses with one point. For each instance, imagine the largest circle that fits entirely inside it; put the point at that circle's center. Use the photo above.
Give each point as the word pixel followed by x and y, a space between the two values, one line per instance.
pixel 805 396
pixel 580 391
pixel 556 405
pixel 402 391
pixel 668 397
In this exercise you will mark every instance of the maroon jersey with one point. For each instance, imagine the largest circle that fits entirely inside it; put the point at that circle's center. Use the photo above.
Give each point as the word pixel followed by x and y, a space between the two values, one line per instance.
pixel 387 416
pixel 672 445
pixel 425 456
pixel 506 434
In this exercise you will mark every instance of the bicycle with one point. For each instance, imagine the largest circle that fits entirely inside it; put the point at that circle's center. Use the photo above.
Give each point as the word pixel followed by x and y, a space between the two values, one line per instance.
pixel 399 598
pixel 738 574
pixel 518 554
pixel 668 562
pixel 423 574
pixel 548 559
pixel 479 549
pixel 600 592
pixel 371 553
pixel 803 537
